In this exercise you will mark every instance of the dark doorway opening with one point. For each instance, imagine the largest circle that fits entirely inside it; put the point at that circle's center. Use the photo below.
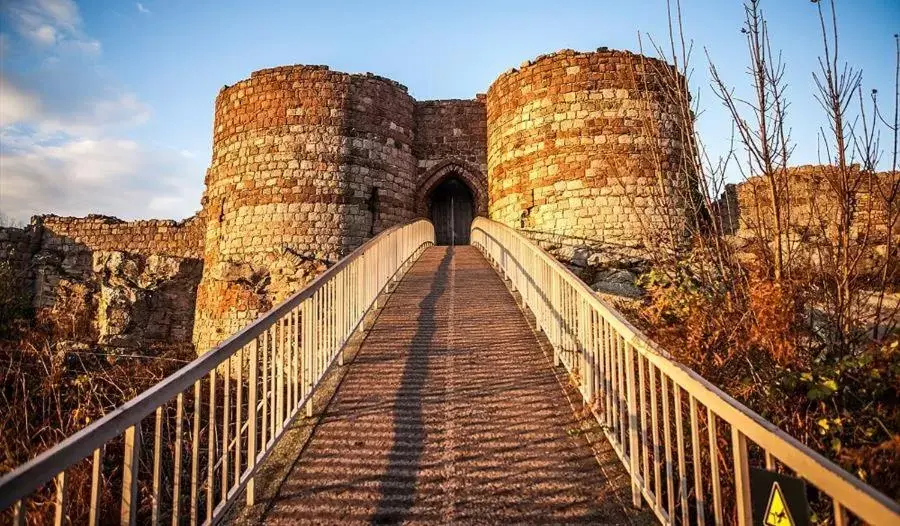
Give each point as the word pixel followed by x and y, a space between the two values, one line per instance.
pixel 452 209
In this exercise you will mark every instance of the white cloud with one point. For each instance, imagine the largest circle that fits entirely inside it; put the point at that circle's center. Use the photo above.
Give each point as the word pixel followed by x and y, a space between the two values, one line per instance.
pixel 62 129
pixel 69 92
pixel 63 12
pixel 92 161
pixel 88 116
pixel 109 176
pixel 142 9
pixel 16 105
pixel 44 34
pixel 53 24
pixel 125 108
pixel 87 47
pixel 96 117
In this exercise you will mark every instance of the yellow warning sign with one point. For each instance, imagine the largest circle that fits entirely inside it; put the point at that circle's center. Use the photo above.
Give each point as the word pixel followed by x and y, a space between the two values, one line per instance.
pixel 778 500
pixel 777 512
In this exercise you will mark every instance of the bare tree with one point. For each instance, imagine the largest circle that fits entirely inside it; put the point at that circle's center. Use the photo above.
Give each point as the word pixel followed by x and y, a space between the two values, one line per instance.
pixel 686 191
pixel 888 190
pixel 763 133
pixel 864 202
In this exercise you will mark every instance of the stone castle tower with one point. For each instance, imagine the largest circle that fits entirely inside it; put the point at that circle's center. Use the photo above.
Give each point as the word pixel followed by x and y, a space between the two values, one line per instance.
pixel 307 163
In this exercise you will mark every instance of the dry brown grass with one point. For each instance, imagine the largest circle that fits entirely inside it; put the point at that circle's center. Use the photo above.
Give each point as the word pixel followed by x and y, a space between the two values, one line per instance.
pixel 50 388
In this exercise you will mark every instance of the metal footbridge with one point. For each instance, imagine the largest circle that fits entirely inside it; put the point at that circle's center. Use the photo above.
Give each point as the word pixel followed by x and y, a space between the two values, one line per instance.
pixel 413 383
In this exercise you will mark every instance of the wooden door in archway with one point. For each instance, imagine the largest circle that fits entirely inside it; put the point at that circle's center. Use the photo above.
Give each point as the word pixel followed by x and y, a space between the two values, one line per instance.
pixel 452 210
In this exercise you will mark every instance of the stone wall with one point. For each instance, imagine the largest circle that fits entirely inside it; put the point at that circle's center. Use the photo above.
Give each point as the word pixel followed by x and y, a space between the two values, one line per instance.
pixel 97 232
pixel 143 300
pixel 451 137
pixel 579 142
pixel 812 210
pixel 307 164
pixel 16 247
pixel 133 283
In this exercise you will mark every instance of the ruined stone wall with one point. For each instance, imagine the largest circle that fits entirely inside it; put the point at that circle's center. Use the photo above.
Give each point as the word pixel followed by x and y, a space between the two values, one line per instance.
pixel 452 135
pixel 133 284
pixel 307 164
pixel 16 248
pixel 812 210
pixel 135 280
pixel 98 232
pixel 574 144
pixel 144 300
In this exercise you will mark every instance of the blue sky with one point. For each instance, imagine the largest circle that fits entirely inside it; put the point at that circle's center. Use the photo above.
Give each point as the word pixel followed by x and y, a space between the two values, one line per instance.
pixel 107 106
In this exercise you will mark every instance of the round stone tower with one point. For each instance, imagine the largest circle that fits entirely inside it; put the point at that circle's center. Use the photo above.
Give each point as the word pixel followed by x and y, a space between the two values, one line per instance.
pixel 307 163
pixel 581 144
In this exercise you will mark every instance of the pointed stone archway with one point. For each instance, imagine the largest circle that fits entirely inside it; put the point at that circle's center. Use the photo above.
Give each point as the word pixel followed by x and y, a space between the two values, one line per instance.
pixel 451 194
pixel 451 210
pixel 466 173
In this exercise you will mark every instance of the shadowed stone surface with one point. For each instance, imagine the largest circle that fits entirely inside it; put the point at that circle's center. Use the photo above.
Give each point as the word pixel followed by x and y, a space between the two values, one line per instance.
pixel 449 414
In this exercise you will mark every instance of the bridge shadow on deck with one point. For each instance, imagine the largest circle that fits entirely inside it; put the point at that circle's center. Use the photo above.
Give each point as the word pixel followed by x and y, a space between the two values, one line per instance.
pixel 409 439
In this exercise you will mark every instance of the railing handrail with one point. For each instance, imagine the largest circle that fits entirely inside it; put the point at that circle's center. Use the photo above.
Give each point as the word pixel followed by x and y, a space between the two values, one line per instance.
pixel 865 501
pixel 31 475
pixel 612 314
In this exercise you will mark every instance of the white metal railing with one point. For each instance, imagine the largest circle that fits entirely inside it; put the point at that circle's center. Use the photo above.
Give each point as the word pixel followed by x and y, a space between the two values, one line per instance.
pixel 231 405
pixel 640 396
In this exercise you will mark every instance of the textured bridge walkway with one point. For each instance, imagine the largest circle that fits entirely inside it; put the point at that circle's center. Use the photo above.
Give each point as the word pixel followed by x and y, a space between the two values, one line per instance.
pixel 450 413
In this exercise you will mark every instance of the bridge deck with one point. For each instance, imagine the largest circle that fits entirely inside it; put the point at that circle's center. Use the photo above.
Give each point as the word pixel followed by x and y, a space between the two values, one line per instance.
pixel 450 413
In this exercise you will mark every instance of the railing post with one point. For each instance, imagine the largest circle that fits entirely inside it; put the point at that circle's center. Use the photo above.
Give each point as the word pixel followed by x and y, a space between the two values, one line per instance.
pixel 211 447
pixel 714 466
pixel 251 420
pixel 295 364
pixel 342 318
pixel 61 499
pixel 741 477
pixel 19 513
pixel 130 475
pixel 309 327
pixel 376 272
pixel 279 373
pixel 157 466
pixel 586 350
pixel 195 455
pixel 557 318
pixel 96 473
pixel 699 495
pixel 362 289
pixel 176 474
pixel 239 405
pixel 840 514
pixel 632 423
